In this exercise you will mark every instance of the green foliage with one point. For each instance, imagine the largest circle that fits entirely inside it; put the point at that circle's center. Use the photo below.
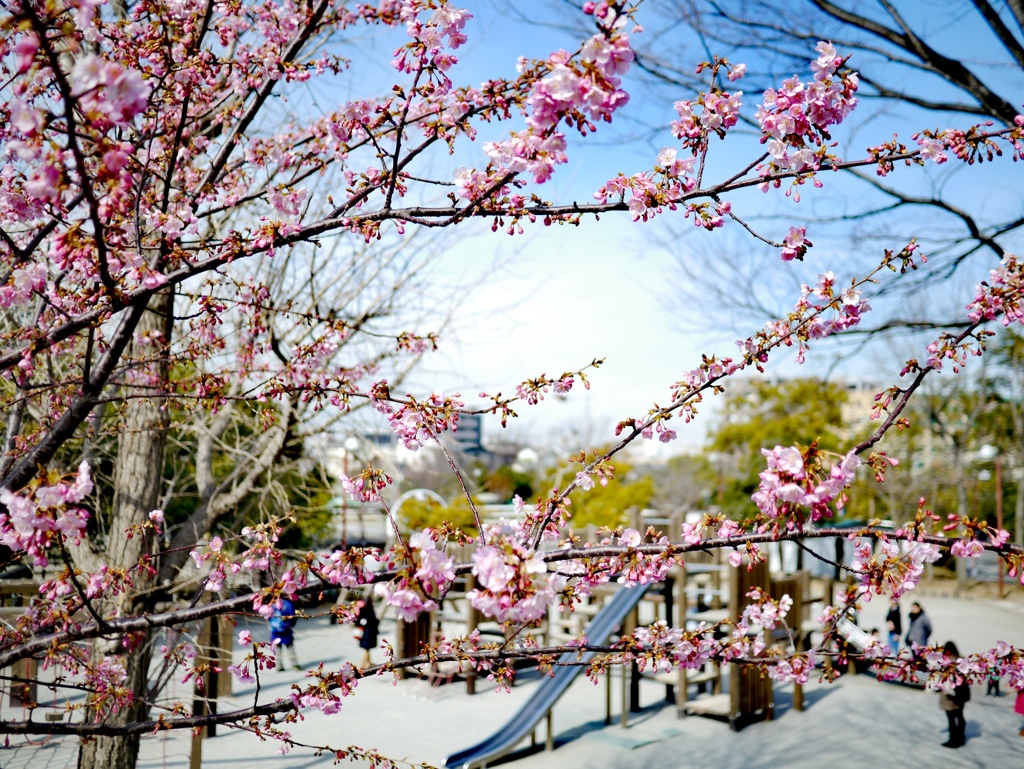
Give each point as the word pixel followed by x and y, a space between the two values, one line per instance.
pixel 771 414
pixel 767 414
pixel 508 483
pixel 608 505
pixel 417 514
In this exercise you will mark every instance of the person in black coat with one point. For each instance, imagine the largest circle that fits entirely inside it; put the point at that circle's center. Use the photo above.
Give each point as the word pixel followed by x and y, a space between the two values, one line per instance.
pixel 894 622
pixel 366 630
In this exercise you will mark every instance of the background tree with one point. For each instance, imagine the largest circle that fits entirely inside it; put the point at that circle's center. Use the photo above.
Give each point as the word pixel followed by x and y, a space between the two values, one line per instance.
pixel 154 175
pixel 608 503
pixel 760 414
pixel 953 64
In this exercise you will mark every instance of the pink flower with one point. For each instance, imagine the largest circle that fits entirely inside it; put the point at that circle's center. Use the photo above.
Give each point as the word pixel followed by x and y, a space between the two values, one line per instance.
pixel 49 496
pixel 436 570
pixel 491 570
pixel 737 72
pixel 244 638
pixel 795 244
pixel 967 548
pixel 408 604
pixel 25 49
pixel 156 516
pixel 630 538
pixel 584 481
pixel 692 533
pixel 242 674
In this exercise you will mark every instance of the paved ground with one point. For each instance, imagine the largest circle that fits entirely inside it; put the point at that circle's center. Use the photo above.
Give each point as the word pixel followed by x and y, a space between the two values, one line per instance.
pixel 856 721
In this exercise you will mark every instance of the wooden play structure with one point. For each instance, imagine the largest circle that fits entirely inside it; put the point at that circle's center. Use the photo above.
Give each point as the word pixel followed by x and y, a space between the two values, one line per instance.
pixel 705 590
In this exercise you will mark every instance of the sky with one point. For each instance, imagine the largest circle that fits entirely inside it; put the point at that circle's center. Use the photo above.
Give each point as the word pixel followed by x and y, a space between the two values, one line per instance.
pixel 610 289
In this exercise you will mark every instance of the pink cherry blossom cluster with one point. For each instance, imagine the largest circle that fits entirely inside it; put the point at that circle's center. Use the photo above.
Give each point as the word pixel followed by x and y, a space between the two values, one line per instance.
pixel 346 568
pixel 107 92
pixel 24 283
pixel 718 112
pixel 637 568
pixel 532 391
pixel 418 588
pixel 579 89
pixel 435 569
pixel 326 694
pixel 247 670
pixel 589 85
pixel 793 669
pixel 763 611
pixel 513 581
pixel 1001 294
pixel 367 486
pixel 795 244
pixel 797 480
pixel 417 423
pixel 442 29
pixel 650 193
pixel 895 568
pixel 847 310
pixel 38 516
pixel 795 118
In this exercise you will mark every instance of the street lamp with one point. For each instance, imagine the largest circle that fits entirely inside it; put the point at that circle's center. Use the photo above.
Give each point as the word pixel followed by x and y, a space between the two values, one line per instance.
pixel 989 452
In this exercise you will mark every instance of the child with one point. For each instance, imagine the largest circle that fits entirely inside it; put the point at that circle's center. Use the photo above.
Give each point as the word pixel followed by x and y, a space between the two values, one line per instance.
pixel 282 620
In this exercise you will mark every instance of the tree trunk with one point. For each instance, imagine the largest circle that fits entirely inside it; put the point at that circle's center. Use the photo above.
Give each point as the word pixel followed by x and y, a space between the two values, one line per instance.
pixel 138 477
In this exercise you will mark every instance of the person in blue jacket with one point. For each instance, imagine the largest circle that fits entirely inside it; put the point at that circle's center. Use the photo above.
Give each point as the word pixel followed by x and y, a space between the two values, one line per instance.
pixel 282 634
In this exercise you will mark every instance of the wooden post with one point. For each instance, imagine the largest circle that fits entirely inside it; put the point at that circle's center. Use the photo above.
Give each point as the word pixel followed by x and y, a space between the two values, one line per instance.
pixel 624 717
pixel 632 673
pixel 195 760
pixel 608 697
pixel 472 620
pixel 668 595
pixel 225 680
pixel 550 744
pixel 797 612
pixel 23 693
pixel 682 605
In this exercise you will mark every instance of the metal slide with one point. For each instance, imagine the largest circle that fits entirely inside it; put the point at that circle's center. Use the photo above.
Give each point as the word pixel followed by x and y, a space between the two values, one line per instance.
pixel 550 689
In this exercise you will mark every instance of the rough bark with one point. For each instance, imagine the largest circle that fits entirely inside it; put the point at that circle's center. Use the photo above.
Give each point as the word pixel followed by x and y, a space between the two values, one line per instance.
pixel 137 483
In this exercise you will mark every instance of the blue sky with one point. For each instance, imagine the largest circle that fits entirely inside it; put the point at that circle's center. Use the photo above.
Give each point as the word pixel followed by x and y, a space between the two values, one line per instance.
pixel 606 289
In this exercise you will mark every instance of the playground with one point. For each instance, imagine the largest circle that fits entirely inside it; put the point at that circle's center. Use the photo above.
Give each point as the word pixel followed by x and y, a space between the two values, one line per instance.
pixel 882 724
pixel 624 720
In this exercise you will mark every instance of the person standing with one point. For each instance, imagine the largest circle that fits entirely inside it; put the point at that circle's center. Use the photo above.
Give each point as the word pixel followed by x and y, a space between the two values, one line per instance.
pixel 920 629
pixel 894 622
pixel 366 630
pixel 952 703
pixel 282 634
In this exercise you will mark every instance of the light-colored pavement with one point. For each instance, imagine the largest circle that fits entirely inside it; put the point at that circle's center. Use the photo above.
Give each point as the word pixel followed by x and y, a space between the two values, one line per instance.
pixel 853 722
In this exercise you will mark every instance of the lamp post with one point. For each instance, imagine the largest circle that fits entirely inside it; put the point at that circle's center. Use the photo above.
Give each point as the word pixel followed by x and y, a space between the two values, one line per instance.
pixel 991 452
